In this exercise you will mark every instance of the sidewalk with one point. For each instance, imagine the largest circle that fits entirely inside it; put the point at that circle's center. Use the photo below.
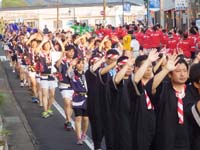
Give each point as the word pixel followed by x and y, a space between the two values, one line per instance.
pixel 21 137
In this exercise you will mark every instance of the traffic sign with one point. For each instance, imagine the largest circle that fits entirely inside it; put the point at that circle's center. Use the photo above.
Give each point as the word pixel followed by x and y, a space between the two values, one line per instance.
pixel 102 12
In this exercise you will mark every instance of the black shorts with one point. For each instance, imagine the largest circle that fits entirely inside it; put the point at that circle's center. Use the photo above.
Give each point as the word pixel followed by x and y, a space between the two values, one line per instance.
pixel 80 112
pixel 14 58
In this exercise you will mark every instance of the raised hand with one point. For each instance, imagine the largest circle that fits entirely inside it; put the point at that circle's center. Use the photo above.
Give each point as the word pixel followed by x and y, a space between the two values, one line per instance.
pixel 58 40
pixel 45 38
pixel 34 36
pixel 153 55
pixel 106 38
pixel 131 61
pixel 171 63
pixel 115 38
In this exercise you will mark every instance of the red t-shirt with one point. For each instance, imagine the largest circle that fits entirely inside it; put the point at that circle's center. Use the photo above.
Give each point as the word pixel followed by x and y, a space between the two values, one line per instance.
pixel 193 42
pixel 139 36
pixel 198 42
pixel 120 32
pixel 147 41
pixel 185 46
pixel 177 36
pixel 164 40
pixel 155 39
pixel 172 45
pixel 99 32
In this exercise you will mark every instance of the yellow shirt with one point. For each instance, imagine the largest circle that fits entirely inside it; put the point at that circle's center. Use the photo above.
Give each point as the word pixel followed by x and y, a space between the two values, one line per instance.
pixel 127 42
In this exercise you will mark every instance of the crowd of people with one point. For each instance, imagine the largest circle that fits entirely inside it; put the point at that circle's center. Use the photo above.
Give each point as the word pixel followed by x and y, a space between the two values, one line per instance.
pixel 138 87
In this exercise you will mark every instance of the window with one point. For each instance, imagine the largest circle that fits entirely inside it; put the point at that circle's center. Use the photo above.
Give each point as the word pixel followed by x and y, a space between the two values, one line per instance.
pixel 59 24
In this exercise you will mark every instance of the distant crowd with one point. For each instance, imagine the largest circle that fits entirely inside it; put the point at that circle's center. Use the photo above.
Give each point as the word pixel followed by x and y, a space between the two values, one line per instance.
pixel 137 86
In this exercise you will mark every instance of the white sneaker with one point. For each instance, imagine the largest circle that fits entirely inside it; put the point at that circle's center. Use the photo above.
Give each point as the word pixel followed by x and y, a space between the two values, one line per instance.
pixel 22 84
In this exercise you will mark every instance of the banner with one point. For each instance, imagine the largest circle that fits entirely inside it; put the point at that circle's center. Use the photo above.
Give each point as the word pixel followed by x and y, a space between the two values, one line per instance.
pixel 154 5
pixel 181 4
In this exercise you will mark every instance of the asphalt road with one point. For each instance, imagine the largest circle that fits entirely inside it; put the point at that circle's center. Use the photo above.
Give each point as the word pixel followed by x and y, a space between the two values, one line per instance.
pixel 49 133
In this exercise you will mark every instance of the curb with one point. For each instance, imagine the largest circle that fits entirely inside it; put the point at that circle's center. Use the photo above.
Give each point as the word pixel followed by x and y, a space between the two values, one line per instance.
pixel 22 117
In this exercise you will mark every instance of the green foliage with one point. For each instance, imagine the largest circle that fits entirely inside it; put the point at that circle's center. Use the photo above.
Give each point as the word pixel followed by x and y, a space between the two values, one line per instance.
pixel 5 132
pixel 2 98
pixel 13 3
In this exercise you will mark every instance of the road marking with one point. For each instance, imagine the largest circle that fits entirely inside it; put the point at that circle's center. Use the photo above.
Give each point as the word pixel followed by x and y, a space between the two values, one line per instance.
pixel 3 58
pixel 88 140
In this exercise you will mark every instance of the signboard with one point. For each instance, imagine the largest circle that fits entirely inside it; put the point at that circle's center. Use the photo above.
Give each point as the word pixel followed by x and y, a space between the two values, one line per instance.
pixel 168 4
pixel 198 23
pixel 154 5
pixel 181 4
pixel 127 7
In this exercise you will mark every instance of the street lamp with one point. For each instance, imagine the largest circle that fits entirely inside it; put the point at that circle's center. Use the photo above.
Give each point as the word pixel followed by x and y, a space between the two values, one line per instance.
pixel 104 11
pixel 57 22
pixel 122 12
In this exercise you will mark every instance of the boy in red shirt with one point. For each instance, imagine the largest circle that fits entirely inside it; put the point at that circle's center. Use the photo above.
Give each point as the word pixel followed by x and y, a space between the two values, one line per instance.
pixel 172 43
pixel 185 45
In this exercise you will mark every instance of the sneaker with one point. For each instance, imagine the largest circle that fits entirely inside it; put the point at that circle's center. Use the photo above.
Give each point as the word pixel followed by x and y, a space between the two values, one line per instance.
pixel 68 126
pixel 79 142
pixel 35 100
pixel 83 137
pixel 50 112
pixel 45 114
pixel 21 84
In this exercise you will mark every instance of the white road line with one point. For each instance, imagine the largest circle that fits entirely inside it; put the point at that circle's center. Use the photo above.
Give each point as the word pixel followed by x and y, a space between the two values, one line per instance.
pixel 88 140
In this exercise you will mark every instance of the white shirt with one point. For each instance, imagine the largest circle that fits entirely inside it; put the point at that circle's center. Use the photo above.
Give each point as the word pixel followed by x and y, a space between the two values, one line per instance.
pixel 135 45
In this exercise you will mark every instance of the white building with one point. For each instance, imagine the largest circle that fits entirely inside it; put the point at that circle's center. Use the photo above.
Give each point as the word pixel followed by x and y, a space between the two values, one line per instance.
pixel 89 13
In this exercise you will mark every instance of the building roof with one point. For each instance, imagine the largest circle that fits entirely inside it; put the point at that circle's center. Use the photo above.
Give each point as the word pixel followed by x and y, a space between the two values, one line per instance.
pixel 27 4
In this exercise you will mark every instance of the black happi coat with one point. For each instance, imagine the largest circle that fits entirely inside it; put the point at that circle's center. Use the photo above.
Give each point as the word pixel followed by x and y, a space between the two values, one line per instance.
pixel 106 108
pixel 142 121
pixel 170 135
pixel 121 104
pixel 194 126
pixel 93 107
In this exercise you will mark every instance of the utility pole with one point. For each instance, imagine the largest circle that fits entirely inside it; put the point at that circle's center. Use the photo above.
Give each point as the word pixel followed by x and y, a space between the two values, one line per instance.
pixel 57 22
pixel 162 16
pixel 122 12
pixel 74 15
pixel 188 9
pixel 147 1
pixel 104 11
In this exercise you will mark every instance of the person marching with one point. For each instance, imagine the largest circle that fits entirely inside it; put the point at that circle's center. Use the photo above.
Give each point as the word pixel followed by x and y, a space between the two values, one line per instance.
pixel 121 88
pixel 143 114
pixel 31 65
pixel 194 107
pixel 47 79
pixel 79 98
pixel 169 99
pixel 93 104
pixel 66 90
pixel 105 74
